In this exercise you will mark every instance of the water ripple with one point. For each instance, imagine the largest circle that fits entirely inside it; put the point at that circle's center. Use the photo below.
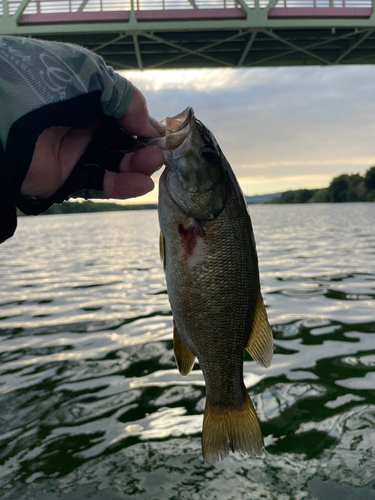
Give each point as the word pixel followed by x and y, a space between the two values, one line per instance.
pixel 93 406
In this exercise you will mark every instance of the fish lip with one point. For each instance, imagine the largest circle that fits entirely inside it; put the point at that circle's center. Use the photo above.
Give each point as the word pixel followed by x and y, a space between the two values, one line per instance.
pixel 171 156
pixel 186 120
pixel 144 141
pixel 177 124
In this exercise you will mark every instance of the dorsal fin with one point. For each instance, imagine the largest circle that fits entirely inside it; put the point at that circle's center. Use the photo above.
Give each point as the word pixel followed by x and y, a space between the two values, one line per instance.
pixel 260 343
pixel 184 357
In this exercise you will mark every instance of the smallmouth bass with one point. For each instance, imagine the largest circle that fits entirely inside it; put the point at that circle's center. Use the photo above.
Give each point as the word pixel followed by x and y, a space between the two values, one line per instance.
pixel 211 266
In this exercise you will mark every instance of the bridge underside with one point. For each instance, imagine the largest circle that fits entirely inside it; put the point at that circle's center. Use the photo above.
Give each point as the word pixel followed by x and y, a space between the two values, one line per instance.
pixel 231 48
pixel 203 33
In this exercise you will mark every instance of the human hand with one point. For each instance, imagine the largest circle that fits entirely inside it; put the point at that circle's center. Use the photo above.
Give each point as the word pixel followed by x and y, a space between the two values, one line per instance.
pixel 58 149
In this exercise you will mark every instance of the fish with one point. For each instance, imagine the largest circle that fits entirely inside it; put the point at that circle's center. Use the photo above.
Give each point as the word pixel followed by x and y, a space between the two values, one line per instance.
pixel 210 262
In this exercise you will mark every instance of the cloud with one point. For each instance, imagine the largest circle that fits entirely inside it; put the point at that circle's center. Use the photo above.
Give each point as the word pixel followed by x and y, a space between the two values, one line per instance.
pixel 201 80
pixel 292 127
pixel 303 168
pixel 264 184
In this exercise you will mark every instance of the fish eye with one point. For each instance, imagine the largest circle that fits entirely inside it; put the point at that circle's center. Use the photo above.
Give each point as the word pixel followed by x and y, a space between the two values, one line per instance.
pixel 209 153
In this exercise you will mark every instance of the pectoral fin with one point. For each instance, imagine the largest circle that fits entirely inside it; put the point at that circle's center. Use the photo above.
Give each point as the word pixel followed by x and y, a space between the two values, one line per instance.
pixel 184 357
pixel 260 344
pixel 162 249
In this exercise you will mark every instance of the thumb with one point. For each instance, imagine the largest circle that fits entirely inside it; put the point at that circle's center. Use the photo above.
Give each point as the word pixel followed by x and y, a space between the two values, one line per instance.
pixel 136 119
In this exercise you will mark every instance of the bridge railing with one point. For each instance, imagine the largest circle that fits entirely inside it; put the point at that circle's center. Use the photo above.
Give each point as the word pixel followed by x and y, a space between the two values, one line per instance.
pixel 323 3
pixel 50 6
pixel 35 10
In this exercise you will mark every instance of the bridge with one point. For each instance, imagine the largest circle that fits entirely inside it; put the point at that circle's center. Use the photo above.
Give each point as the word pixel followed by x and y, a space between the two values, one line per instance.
pixel 147 34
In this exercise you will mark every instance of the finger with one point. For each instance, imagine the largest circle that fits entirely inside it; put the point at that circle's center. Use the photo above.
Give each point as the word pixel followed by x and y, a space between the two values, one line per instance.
pixel 126 185
pixel 136 119
pixel 145 161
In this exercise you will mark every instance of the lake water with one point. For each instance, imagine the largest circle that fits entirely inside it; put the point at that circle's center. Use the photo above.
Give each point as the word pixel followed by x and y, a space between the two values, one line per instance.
pixel 93 407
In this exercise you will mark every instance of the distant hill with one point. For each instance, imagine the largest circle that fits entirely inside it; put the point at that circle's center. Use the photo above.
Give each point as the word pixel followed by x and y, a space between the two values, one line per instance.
pixel 344 188
pixel 262 198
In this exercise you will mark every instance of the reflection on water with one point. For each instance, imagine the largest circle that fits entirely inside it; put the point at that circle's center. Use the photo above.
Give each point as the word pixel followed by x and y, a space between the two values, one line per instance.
pixel 92 405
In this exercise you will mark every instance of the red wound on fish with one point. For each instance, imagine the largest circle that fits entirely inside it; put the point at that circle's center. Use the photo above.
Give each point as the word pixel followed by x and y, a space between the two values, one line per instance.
pixel 189 236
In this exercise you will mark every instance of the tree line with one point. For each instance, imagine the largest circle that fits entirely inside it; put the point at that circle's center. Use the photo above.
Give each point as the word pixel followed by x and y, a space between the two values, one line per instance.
pixel 344 188
pixel 77 207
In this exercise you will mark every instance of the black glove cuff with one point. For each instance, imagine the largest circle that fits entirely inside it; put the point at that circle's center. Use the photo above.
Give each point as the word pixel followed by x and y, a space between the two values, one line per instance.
pixel 105 152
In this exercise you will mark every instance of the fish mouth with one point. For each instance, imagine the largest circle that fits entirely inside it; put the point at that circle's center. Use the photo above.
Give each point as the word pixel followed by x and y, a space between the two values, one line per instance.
pixel 177 131
pixel 176 124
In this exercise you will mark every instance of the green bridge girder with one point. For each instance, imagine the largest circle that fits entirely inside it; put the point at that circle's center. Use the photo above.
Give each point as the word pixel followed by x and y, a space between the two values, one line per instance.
pixel 203 33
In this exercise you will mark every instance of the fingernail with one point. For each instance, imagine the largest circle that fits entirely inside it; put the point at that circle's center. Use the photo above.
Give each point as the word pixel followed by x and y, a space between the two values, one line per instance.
pixel 156 125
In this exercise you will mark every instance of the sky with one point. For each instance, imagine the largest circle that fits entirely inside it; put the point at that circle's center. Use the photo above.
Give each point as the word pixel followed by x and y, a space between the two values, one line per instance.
pixel 280 128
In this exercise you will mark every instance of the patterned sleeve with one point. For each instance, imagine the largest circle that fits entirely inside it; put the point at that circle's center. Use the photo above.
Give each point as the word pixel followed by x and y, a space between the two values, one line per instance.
pixel 34 73
pixel 45 84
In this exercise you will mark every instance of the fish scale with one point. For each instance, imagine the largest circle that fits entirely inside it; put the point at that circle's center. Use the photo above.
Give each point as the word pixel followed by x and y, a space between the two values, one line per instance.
pixel 211 267
pixel 222 295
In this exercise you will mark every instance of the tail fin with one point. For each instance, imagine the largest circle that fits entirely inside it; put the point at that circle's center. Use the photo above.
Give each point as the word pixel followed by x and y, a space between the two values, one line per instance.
pixel 230 429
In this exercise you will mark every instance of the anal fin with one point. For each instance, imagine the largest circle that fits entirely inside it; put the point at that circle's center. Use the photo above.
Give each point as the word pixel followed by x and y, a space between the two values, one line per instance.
pixel 184 357
pixel 260 343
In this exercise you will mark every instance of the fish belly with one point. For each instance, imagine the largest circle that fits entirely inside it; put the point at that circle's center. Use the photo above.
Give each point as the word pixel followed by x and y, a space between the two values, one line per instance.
pixel 213 283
